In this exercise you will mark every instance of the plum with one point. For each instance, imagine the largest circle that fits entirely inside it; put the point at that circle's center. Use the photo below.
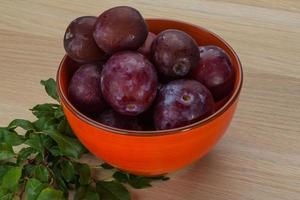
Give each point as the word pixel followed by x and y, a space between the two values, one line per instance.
pixel 85 89
pixel 175 53
pixel 111 118
pixel 215 71
pixel 129 82
pixel 79 42
pixel 182 102
pixel 120 28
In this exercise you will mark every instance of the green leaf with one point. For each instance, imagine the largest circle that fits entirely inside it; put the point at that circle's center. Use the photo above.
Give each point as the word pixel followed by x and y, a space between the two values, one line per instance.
pixel 47 141
pixel 106 166
pixel 6 151
pixel 22 123
pixel 41 173
pixel 50 87
pixel 3 192
pixel 64 127
pixel 55 151
pixel 58 114
pixel 35 142
pixel 139 182
pixel 45 123
pixel 3 169
pixel 84 172
pixel 33 189
pixel 67 145
pixel 50 193
pixel 24 154
pixel 16 197
pixel 60 182
pixel 112 190
pixel 45 110
pixel 121 177
pixel 162 178
pixel 67 169
pixel 28 170
pixel 11 178
pixel 39 158
pixel 50 145
pixel 10 137
pixel 5 195
pixel 86 193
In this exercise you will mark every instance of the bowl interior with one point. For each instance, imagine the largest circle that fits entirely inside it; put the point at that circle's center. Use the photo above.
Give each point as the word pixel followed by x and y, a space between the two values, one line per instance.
pixel 202 37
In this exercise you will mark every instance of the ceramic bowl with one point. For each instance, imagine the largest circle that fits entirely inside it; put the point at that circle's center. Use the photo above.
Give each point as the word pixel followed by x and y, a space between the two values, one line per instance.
pixel 153 152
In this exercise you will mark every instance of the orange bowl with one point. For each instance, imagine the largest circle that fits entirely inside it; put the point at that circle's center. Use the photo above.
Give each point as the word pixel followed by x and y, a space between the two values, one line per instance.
pixel 153 152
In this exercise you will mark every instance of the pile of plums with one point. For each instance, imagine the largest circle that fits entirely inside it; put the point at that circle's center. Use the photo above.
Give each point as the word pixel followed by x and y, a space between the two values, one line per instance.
pixel 133 79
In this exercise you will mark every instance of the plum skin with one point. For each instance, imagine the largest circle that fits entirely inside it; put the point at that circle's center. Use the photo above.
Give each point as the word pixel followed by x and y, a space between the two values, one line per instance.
pixel 182 102
pixel 129 83
pixel 145 49
pixel 174 53
pixel 215 71
pixel 84 90
pixel 79 42
pixel 114 119
pixel 120 28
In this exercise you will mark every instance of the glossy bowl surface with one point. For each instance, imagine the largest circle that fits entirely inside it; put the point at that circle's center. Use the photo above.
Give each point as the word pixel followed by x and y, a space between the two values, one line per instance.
pixel 155 152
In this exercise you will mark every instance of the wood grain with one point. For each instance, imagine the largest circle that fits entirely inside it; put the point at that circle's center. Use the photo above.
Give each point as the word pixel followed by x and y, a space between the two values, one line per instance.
pixel 259 157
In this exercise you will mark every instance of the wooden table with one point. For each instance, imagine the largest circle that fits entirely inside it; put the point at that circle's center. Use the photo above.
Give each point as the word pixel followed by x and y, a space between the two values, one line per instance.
pixel 259 157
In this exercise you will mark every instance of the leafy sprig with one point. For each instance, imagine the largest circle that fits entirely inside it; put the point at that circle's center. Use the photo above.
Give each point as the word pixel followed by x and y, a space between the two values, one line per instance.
pixel 47 165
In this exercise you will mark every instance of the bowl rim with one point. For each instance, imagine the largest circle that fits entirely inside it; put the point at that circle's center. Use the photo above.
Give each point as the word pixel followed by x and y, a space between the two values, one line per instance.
pixel 178 130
